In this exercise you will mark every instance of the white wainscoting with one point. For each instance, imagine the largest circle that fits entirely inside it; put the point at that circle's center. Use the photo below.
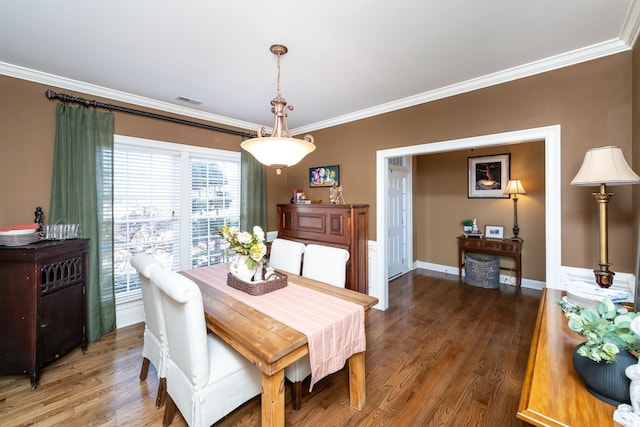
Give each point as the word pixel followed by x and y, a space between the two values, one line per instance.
pixel 129 311
pixel 372 272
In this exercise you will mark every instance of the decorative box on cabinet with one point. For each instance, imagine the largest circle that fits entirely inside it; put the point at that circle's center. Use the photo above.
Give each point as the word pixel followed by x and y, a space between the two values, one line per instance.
pixel 343 226
pixel 43 304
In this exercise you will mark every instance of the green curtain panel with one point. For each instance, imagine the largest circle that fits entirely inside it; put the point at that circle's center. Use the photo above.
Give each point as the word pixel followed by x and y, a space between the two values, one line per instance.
pixel 253 193
pixel 82 193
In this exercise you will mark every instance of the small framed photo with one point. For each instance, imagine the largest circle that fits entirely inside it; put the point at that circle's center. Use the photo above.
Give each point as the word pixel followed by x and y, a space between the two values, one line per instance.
pixel 494 232
pixel 488 176
pixel 324 176
pixel 296 195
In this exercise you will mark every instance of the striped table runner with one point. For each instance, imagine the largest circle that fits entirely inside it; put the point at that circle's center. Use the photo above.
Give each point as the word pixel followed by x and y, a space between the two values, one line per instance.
pixel 334 327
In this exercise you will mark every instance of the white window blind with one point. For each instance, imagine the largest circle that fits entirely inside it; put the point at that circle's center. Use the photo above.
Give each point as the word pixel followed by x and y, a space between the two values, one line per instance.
pixel 146 210
pixel 215 201
pixel 168 201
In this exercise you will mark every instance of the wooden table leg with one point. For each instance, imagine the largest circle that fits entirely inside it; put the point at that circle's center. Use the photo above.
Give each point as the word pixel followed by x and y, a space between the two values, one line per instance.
pixel 357 381
pixel 273 399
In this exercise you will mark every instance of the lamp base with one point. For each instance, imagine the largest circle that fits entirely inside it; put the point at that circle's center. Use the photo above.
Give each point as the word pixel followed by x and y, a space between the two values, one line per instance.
pixel 604 277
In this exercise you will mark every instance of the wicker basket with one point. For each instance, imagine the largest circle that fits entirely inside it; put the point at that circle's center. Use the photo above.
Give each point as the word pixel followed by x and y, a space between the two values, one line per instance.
pixel 258 288
pixel 482 270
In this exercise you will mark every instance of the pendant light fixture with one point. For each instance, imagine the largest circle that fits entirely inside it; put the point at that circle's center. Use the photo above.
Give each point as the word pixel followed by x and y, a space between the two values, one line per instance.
pixel 279 150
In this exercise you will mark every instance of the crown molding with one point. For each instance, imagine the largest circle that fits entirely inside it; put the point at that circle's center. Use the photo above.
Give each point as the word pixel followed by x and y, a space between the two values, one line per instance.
pixel 611 47
pixel 631 26
pixel 89 89
pixel 577 56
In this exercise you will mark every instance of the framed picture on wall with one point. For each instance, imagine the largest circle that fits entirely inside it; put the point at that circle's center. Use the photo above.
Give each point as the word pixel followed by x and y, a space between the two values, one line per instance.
pixel 324 176
pixel 488 176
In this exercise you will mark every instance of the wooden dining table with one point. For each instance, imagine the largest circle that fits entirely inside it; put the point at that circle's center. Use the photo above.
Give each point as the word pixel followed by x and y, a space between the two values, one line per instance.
pixel 271 345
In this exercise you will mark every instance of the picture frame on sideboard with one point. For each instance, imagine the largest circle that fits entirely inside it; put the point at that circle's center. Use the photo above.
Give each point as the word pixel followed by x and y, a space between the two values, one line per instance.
pixel 494 232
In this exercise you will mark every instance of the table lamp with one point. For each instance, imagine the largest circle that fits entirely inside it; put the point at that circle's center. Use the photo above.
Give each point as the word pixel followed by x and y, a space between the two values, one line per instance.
pixel 604 166
pixel 514 187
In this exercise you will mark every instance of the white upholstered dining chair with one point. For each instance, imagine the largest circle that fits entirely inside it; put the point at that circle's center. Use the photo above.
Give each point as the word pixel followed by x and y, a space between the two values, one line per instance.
pixel 286 255
pixel 325 264
pixel 206 378
pixel 154 347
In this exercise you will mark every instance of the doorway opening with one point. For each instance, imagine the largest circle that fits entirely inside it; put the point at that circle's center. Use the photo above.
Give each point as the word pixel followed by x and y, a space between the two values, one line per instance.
pixel 552 139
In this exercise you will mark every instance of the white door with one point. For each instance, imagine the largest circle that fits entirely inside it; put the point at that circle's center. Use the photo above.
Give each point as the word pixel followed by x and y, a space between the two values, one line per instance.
pixel 397 221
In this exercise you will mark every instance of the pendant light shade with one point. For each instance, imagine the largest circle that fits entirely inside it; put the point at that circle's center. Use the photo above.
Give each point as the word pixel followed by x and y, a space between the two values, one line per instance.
pixel 279 150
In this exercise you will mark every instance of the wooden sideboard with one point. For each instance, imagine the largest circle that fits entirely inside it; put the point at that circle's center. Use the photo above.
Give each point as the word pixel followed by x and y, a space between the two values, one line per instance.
pixel 43 304
pixel 342 226
pixel 501 247
pixel 552 393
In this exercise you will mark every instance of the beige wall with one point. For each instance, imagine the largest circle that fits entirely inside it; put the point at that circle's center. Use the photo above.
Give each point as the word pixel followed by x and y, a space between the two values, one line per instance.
pixel 27 120
pixel 591 101
pixel 441 203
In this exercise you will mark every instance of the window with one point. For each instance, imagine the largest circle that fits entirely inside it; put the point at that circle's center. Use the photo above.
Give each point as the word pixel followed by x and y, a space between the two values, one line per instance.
pixel 214 203
pixel 168 201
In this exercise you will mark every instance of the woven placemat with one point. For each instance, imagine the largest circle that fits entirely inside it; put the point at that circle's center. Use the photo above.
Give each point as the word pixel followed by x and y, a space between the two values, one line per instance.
pixel 258 288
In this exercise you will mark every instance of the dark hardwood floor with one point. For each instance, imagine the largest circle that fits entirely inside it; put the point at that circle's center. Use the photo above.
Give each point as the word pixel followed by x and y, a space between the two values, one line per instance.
pixel 443 354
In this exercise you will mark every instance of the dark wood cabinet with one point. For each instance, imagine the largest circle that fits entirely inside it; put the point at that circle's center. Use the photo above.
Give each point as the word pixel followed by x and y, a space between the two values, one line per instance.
pixel 43 304
pixel 342 226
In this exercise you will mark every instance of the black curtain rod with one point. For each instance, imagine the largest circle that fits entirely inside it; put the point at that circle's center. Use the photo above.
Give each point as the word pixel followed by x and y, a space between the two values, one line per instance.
pixel 87 103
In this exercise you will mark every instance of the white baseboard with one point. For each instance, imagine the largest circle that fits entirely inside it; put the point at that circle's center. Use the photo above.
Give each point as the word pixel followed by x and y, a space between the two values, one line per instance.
pixel 621 281
pixel 129 313
pixel 507 279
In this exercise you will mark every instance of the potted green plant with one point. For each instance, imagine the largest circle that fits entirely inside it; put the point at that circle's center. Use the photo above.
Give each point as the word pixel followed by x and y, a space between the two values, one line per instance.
pixel 467 225
pixel 609 340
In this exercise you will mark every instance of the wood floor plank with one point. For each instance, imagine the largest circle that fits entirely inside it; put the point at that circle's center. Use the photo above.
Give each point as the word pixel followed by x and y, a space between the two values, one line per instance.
pixel 443 354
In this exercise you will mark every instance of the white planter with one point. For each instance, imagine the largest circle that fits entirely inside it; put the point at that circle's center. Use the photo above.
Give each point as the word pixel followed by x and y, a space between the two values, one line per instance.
pixel 239 268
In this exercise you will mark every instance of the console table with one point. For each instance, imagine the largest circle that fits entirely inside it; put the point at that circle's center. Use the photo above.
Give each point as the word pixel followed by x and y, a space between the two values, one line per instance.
pixel 552 393
pixel 501 247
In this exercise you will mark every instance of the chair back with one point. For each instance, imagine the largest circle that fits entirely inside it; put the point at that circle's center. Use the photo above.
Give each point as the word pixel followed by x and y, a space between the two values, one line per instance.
pixel 153 317
pixel 286 255
pixel 326 264
pixel 186 328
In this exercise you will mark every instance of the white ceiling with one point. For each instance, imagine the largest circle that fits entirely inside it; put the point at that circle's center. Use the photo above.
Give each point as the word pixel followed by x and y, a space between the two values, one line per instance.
pixel 347 59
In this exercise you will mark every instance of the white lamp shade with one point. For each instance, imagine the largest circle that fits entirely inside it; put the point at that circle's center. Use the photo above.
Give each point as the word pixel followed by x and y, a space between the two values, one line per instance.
pixel 605 165
pixel 514 186
pixel 278 151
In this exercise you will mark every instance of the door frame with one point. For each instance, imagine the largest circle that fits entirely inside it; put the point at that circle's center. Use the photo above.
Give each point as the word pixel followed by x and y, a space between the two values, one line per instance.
pixel 551 135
